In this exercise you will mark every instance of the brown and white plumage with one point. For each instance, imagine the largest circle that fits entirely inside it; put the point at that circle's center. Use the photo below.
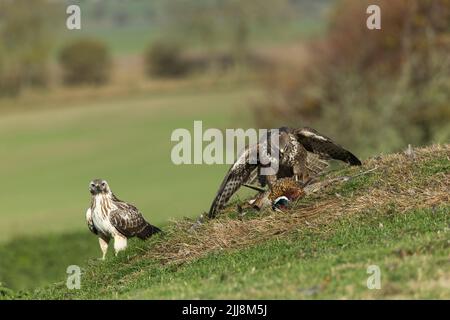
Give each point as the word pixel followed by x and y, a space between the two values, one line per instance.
pixel 236 176
pixel 111 218
pixel 302 154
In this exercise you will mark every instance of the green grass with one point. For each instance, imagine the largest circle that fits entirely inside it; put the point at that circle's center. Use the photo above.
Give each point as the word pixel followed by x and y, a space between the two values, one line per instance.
pixel 411 250
pixel 50 155
pixel 35 261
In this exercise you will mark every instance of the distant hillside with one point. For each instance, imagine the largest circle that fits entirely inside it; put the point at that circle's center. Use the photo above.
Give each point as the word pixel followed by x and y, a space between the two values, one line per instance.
pixel 128 27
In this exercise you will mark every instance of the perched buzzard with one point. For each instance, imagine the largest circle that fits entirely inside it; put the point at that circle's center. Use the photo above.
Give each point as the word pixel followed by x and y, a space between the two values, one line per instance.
pixel 109 217
pixel 301 155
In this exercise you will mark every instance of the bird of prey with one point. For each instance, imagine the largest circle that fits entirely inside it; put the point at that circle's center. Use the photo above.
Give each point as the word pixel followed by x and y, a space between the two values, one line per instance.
pixel 111 218
pixel 302 154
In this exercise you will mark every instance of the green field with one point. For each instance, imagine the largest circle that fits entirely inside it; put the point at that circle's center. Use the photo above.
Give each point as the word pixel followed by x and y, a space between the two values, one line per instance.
pixel 50 155
pixel 134 40
pixel 145 23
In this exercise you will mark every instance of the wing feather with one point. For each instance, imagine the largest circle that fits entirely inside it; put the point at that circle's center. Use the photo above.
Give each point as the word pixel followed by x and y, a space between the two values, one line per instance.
pixel 129 221
pixel 315 164
pixel 319 144
pixel 90 222
pixel 254 176
pixel 239 173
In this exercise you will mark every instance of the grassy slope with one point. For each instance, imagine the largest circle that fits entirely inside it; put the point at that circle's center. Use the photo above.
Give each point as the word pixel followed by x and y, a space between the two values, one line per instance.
pixel 396 217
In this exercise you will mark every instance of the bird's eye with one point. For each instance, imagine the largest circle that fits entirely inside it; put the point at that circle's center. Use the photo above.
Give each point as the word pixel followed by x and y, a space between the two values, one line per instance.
pixel 103 184
pixel 92 185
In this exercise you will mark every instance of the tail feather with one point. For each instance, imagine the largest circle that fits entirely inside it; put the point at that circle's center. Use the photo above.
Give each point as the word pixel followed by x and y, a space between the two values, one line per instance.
pixel 148 231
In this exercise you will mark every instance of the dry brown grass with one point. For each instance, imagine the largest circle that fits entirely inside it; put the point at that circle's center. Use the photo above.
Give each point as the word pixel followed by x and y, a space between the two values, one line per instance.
pixel 399 183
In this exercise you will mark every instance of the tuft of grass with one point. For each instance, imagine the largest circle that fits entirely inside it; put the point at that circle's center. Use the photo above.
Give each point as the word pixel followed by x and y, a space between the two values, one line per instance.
pixel 439 165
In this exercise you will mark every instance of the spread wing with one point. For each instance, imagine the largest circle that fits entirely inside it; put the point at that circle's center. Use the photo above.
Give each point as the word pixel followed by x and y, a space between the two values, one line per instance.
pixel 90 222
pixel 254 176
pixel 129 221
pixel 239 173
pixel 326 148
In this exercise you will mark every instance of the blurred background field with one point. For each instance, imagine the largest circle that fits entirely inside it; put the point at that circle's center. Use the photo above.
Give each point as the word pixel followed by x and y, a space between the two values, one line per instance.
pixel 103 101
pixel 51 155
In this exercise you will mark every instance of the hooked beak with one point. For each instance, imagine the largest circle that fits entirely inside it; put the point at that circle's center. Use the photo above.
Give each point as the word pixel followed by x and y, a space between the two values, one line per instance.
pixel 95 189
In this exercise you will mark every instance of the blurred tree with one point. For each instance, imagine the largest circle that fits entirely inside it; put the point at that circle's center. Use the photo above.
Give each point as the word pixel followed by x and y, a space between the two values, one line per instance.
pixel 374 90
pixel 85 61
pixel 217 21
pixel 99 11
pixel 164 59
pixel 25 43
pixel 121 18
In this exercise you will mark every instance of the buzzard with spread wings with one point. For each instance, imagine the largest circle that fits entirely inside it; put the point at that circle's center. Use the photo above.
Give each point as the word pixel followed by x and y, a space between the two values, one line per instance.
pixel 302 154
